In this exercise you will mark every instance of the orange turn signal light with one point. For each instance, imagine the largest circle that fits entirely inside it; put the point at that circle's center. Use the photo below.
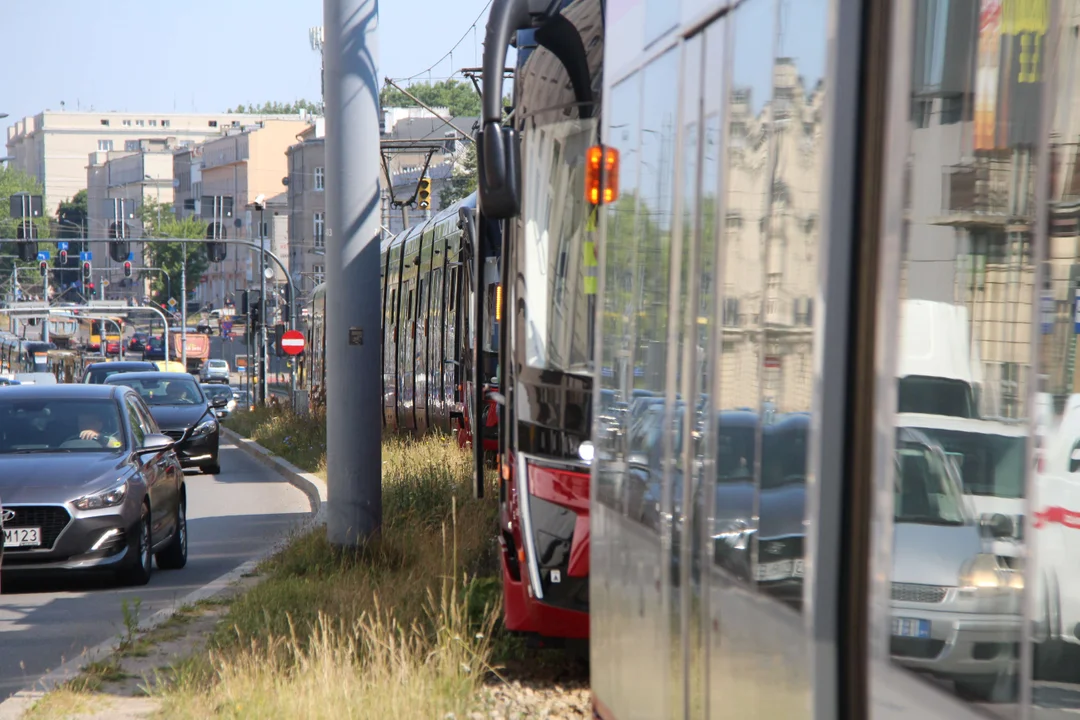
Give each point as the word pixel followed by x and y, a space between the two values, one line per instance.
pixel 601 174
pixel 498 303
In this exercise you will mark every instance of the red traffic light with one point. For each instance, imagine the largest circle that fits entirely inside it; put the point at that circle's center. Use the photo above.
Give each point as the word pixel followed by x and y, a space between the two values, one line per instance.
pixel 63 257
pixel 127 268
pixel 86 270
pixel 44 267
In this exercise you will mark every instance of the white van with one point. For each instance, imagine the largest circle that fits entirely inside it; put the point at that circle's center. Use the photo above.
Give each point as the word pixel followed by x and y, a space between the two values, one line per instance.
pixel 938 370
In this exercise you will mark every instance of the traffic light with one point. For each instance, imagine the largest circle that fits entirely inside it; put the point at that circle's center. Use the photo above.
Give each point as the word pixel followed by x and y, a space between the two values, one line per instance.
pixel 127 268
pixel 215 251
pixel 27 232
pixel 423 193
pixel 86 270
pixel 279 330
pixel 118 246
pixel 63 258
pixel 43 266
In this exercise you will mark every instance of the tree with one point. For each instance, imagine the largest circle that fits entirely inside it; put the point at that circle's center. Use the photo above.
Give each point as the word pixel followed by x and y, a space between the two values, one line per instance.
pixel 463 181
pixel 460 98
pixel 14 181
pixel 279 108
pixel 159 221
pixel 71 216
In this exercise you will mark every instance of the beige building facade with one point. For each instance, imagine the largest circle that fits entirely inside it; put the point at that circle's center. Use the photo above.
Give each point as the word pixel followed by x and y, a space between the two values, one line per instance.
pixel 53 146
pixel 307 210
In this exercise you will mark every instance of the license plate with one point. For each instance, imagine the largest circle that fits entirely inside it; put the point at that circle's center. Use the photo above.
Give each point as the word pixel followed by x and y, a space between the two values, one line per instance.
pixel 780 570
pixel 910 627
pixel 22 537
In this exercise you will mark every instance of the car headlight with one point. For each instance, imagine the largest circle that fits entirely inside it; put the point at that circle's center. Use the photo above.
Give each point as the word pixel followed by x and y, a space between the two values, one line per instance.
pixel 735 533
pixel 984 574
pixel 107 498
pixel 205 428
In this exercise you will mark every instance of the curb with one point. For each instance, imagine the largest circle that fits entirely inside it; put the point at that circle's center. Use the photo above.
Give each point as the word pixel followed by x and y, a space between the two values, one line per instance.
pixel 309 484
pixel 18 704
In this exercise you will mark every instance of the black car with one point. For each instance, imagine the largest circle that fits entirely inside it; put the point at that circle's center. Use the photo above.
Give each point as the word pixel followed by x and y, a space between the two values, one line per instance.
pixel 184 413
pixel 96 373
pixel 88 483
pixel 138 342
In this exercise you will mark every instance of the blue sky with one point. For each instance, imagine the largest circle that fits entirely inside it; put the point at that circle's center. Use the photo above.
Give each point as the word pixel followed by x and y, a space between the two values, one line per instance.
pixel 203 55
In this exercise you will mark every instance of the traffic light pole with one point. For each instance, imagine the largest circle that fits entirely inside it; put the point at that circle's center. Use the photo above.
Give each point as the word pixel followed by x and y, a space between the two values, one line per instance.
pixel 45 299
pixel 353 159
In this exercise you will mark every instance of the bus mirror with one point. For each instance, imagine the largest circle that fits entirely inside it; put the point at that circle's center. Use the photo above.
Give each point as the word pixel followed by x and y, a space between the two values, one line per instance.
pixel 497 159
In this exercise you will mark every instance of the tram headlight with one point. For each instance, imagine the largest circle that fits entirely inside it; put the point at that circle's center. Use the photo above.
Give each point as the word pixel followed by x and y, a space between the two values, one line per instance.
pixel 586 451
pixel 984 574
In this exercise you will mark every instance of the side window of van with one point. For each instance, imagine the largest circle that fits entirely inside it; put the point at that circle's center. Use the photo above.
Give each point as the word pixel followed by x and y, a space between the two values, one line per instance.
pixel 1074 458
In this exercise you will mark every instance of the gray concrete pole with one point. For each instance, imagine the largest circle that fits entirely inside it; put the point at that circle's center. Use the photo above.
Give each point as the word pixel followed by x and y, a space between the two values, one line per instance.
pixel 354 391
pixel 183 308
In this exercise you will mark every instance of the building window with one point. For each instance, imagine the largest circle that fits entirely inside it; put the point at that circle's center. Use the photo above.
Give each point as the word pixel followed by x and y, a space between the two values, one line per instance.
pixel 318 273
pixel 212 123
pixel 140 123
pixel 319 227
pixel 104 145
pixel 104 122
pixel 153 123
pixel 131 145
pixel 127 123
pixel 165 123
pixel 320 178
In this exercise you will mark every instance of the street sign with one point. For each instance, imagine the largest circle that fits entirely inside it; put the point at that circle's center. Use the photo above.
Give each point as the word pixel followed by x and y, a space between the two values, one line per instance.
pixel 241 362
pixel 292 342
pixel 131 257
pixel 43 255
pixel 61 246
pixel 172 302
pixel 86 256
pixel 1047 314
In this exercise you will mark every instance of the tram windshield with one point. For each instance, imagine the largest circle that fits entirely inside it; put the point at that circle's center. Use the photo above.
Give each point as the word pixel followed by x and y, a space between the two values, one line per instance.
pixel 558 260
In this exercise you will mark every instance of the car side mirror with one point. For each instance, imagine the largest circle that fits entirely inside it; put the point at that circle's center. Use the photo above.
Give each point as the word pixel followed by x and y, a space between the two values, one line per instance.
pixel 1000 526
pixel 156 442
pixel 219 402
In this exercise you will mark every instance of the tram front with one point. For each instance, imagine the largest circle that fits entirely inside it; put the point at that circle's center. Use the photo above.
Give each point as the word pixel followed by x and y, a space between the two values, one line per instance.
pixel 535 176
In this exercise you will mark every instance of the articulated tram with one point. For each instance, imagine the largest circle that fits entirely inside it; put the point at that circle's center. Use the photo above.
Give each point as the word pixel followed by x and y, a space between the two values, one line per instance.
pixel 782 282
pixel 427 335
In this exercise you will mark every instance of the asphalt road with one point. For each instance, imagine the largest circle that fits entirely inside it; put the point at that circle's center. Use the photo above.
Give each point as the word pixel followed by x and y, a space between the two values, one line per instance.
pixel 231 518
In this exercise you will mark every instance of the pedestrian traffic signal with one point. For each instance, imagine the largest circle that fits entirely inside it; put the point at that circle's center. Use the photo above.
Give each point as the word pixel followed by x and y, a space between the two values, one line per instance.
pixel 127 268
pixel 423 193
pixel 43 266
pixel 86 270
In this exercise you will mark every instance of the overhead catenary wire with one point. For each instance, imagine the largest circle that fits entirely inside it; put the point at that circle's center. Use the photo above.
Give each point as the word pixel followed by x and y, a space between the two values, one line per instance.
pixel 450 52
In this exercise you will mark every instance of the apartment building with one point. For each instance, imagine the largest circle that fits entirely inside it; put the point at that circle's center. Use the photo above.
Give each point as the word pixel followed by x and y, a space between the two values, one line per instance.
pixel 53 146
pixel 187 181
pixel 245 163
pixel 307 209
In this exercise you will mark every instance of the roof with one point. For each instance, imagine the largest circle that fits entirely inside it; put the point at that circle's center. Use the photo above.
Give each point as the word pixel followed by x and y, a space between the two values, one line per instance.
pixel 65 391
pixel 429 128
pixel 150 374
pixel 117 364
pixel 923 421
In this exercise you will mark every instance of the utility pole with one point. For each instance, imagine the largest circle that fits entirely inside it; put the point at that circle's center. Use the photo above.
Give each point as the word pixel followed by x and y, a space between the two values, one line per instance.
pixel 353 158
pixel 262 308
pixel 183 305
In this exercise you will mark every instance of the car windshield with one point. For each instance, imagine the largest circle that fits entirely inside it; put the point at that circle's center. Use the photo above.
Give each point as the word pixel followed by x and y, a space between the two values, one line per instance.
pixel 212 391
pixel 51 425
pixel 925 491
pixel 164 391
pixel 98 376
pixel 989 464
pixel 217 364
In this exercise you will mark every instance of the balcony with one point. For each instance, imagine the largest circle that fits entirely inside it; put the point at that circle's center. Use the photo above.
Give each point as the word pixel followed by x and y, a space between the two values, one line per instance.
pixel 988 193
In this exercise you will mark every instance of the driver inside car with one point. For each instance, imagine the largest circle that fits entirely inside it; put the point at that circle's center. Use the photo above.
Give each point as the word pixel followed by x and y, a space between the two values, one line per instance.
pixel 92 428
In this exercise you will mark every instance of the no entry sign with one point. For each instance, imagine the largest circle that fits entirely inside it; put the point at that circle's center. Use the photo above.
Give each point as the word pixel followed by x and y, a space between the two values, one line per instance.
pixel 292 342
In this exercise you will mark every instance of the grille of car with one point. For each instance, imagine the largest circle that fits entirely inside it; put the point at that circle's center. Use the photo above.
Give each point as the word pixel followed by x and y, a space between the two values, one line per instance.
pixel 51 519
pixel 916 648
pixel 174 434
pixel 911 592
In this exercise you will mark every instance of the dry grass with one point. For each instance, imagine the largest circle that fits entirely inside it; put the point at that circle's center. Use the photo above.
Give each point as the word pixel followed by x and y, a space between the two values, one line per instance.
pixel 397 629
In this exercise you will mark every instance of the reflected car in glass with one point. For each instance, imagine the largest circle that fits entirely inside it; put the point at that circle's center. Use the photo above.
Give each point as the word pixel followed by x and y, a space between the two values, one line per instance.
pixel 184 413
pixel 956 606
pixel 216 390
pixel 88 483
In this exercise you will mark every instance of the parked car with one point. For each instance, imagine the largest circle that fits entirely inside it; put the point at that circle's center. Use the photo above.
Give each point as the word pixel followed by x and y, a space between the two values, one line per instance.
pixel 88 482
pixel 96 373
pixel 217 390
pixel 184 413
pixel 215 371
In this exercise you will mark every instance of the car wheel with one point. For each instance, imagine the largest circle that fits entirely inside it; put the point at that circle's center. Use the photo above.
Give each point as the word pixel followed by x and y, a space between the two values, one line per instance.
pixel 142 564
pixel 174 556
pixel 214 469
